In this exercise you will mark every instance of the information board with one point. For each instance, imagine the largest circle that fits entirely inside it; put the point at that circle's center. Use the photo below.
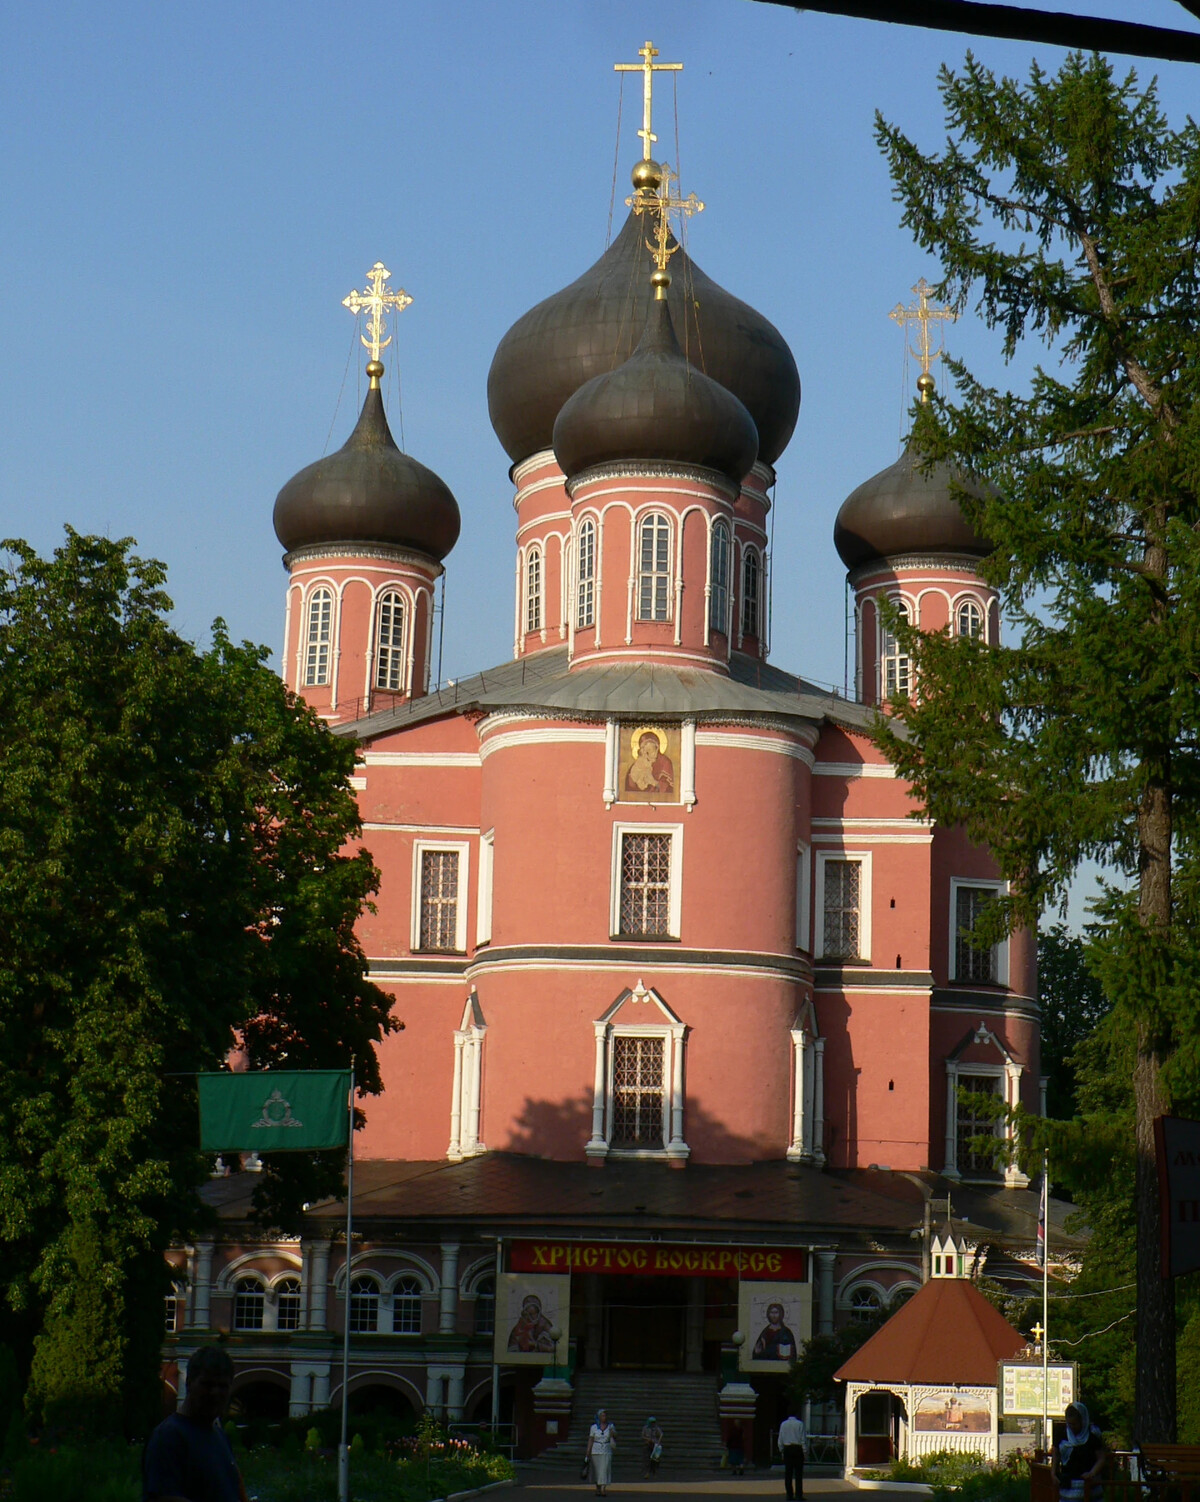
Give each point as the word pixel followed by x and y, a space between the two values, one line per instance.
pixel 1021 1388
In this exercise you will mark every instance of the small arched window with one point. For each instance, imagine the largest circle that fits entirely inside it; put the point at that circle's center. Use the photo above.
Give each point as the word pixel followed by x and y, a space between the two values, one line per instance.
pixel 364 1306
pixel 585 614
pixel 175 1301
pixel 287 1307
pixel 654 568
pixel 865 1303
pixel 318 634
pixel 718 598
pixel 249 1304
pixel 485 1306
pixel 533 590
pixel 406 1306
pixel 751 601
pixel 970 619
pixel 389 636
pixel 896 666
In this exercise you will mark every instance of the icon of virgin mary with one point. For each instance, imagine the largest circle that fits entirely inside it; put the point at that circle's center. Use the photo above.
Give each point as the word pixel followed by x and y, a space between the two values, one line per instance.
pixel 652 770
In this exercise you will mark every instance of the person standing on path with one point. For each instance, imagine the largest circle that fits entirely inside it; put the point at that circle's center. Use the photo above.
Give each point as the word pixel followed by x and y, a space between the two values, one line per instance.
pixel 652 1438
pixel 792 1437
pixel 602 1441
pixel 188 1457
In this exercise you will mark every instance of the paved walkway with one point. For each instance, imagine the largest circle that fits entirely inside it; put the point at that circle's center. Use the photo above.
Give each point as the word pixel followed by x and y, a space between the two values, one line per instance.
pixel 542 1488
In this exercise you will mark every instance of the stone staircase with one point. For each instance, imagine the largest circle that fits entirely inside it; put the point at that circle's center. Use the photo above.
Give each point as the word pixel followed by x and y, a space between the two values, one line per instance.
pixel 684 1403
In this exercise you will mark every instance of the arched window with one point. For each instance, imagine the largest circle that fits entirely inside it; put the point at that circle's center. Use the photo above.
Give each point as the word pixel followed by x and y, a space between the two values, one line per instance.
pixel 287 1308
pixel 585 614
pixel 896 666
pixel 249 1304
pixel 175 1301
pixel 654 568
pixel 485 1306
pixel 751 576
pixel 389 635
pixel 364 1306
pixel 317 638
pixel 406 1306
pixel 865 1303
pixel 533 590
pixel 718 599
pixel 970 619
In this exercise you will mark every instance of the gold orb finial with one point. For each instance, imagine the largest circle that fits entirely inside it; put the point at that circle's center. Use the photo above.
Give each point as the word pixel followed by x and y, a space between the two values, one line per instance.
pixel 926 385
pixel 374 370
pixel 660 280
pixel 647 176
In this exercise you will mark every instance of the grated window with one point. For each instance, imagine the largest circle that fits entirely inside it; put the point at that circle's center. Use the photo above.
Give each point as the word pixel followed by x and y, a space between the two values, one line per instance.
pixel 645 884
pixel 843 911
pixel 439 899
pixel 970 964
pixel 639 1094
pixel 389 658
pixel 585 614
pixel 654 573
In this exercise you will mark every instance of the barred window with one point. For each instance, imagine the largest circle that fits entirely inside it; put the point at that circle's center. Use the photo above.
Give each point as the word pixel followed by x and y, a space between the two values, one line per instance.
pixel 389 655
pixel 249 1304
pixel 896 666
pixel 973 1122
pixel 718 599
pixel 317 638
pixel 970 964
pixel 533 590
pixel 287 1308
pixel 439 899
pixel 364 1306
pixel 639 1091
pixel 585 614
pixel 485 1306
pixel 645 884
pixel 970 619
pixel 865 1303
pixel 406 1306
pixel 751 574
pixel 843 909
pixel 654 568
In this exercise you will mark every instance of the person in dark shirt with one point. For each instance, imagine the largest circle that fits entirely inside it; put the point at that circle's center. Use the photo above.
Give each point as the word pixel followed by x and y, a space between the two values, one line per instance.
pixel 188 1457
pixel 1082 1454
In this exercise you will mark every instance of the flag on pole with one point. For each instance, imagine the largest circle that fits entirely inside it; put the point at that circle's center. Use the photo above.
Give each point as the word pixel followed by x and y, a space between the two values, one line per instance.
pixel 1041 1226
pixel 273 1110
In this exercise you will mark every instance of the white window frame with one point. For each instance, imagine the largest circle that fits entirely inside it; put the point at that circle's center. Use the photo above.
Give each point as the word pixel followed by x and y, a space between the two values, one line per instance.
pixel 751 601
pixel 585 570
pixel 261 1291
pixel 969 602
pixel 1009 1093
pixel 397 654
pixel 657 576
pixel 364 1275
pixel 649 1031
pixel 674 1031
pixel 863 857
pixel 534 604
pixel 394 1296
pixel 889 652
pixel 315 671
pixel 718 600
pixel 804 897
pixel 999 888
pixel 675 894
pixel 464 865
pixel 483 913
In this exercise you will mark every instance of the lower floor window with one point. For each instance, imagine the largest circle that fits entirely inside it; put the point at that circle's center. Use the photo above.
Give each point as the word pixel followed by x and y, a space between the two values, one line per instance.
pixel 639 1091
pixel 975 1121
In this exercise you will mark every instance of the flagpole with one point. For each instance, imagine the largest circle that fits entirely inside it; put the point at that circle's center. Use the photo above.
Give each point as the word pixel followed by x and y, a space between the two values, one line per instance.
pixel 344 1447
pixel 1046 1304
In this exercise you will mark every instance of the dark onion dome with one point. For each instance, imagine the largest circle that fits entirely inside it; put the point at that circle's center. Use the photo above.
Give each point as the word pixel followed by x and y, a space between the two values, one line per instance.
pixel 369 491
pixel 658 407
pixel 901 510
pixel 590 327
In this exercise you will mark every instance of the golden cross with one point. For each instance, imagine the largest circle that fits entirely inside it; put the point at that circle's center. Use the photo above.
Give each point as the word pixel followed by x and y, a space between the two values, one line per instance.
pixel 923 313
pixel 649 68
pixel 662 203
pixel 1037 1332
pixel 377 300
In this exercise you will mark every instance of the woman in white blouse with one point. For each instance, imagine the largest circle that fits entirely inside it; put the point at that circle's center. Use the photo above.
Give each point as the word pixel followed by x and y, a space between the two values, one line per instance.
pixel 602 1441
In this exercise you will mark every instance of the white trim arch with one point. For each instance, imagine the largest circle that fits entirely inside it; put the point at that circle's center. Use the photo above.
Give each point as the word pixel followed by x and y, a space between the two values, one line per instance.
pixel 483 1267
pixel 225 1279
pixel 377 1377
pixel 410 1262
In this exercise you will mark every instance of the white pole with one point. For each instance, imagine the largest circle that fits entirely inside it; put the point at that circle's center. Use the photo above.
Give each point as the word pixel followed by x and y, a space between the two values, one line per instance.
pixel 495 1366
pixel 1046 1436
pixel 344 1447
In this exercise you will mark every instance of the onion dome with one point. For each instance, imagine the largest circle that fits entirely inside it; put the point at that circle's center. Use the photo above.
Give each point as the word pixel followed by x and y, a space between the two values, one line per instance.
pixel 369 491
pixel 590 327
pixel 902 510
pixel 658 407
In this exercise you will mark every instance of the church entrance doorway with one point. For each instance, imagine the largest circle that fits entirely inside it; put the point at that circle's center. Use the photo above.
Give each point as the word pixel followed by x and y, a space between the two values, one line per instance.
pixel 644 1323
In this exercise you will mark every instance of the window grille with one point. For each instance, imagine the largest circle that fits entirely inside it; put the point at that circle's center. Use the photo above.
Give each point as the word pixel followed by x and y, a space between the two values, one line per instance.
pixel 843 909
pixel 172 1305
pixel 865 1304
pixel 638 1092
pixel 439 899
pixel 585 614
pixel 317 639
pixel 364 1306
pixel 287 1308
pixel 750 592
pixel 654 572
pixel 896 666
pixel 533 590
pixel 645 884
pixel 389 655
pixel 718 599
pixel 970 964
pixel 974 1122
pixel 249 1304
pixel 406 1306
pixel 485 1307
pixel 970 619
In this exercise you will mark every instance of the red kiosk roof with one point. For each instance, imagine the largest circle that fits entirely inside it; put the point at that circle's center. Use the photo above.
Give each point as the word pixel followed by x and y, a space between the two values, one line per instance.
pixel 946 1333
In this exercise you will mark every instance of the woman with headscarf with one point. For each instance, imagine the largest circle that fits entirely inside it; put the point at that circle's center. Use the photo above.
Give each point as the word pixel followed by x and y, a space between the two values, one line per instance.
pixel 1081 1457
pixel 652 1438
pixel 602 1441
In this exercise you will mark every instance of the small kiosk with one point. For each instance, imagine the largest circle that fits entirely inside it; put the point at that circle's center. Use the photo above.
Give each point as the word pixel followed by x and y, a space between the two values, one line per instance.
pixel 926 1380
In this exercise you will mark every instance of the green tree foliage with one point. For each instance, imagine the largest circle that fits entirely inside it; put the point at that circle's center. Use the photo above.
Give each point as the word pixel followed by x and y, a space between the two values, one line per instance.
pixel 175 874
pixel 811 1377
pixel 1070 210
pixel 1072 1005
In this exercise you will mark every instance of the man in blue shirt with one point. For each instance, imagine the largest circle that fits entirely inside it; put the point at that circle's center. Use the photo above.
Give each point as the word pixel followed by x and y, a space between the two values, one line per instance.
pixel 188 1458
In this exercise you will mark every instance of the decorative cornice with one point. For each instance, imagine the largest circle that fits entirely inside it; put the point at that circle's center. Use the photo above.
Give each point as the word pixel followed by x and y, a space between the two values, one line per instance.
pixel 961 562
pixel 655 469
pixel 381 550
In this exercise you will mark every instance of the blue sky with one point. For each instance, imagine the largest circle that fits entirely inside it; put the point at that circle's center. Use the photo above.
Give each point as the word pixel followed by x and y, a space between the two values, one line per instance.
pixel 190 191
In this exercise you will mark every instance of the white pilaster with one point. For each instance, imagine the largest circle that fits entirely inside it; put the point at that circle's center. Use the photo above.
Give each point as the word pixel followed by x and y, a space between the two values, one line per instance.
pixel 448 1306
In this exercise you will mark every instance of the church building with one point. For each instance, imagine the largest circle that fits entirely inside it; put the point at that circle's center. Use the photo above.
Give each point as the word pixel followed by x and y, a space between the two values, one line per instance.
pixel 686 998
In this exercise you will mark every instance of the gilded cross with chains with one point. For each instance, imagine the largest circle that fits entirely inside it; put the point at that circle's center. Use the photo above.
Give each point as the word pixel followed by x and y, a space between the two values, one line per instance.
pixel 648 68
pixel 663 204
pixel 1037 1332
pixel 378 299
pixel 923 313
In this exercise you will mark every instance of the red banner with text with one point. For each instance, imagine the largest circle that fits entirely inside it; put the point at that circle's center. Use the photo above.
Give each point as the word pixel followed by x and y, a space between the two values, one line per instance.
pixel 660 1258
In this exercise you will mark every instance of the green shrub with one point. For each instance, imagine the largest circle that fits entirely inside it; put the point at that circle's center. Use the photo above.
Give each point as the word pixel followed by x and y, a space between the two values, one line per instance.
pixel 100 1472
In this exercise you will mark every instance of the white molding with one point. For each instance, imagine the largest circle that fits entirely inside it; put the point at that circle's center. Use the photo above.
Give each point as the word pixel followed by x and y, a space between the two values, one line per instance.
pixel 612 736
pixel 1001 949
pixel 483 912
pixel 675 898
pixel 421 759
pixel 738 742
pixel 687 769
pixel 877 823
pixel 460 912
pixel 674 1034
pixel 505 740
pixel 823 857
pixel 436 830
pixel 852 769
pixel 804 897
pixel 834 840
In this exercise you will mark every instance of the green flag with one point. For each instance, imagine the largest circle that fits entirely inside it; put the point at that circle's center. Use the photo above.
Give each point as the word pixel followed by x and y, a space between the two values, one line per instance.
pixel 274 1111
